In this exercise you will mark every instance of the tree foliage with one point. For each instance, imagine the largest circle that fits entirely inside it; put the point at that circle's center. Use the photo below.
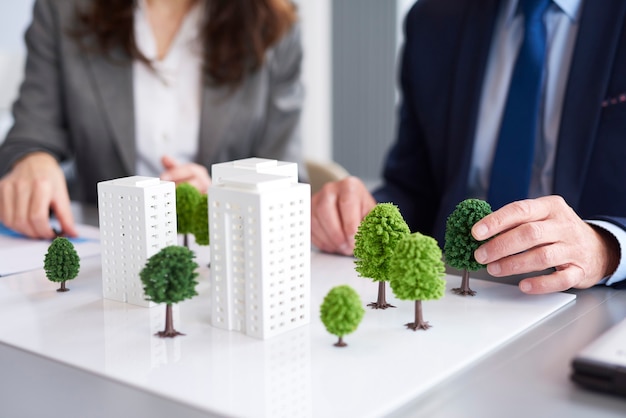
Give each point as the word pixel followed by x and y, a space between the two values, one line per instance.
pixel 201 221
pixel 459 244
pixel 342 311
pixel 61 262
pixel 376 239
pixel 187 199
pixel 416 269
pixel 169 276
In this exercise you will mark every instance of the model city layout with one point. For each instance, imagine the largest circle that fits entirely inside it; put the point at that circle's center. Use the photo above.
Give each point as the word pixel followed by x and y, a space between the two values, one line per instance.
pixel 257 219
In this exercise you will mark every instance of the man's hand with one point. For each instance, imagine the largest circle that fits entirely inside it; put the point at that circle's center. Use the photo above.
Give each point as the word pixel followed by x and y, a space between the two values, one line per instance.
pixel 35 185
pixel 336 212
pixel 537 234
pixel 192 173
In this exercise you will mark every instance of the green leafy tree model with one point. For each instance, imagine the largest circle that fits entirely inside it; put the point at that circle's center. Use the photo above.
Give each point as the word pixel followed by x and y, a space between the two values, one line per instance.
pixel 187 199
pixel 61 262
pixel 459 244
pixel 416 272
pixel 169 277
pixel 341 312
pixel 201 221
pixel 375 241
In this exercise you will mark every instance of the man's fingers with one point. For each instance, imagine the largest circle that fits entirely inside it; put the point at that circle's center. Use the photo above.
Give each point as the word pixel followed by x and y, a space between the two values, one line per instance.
pixel 514 214
pixel 517 240
pixel 562 279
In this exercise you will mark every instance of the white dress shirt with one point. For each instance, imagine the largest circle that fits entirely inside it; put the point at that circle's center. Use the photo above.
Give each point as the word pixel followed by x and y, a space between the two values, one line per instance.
pixel 167 97
pixel 562 20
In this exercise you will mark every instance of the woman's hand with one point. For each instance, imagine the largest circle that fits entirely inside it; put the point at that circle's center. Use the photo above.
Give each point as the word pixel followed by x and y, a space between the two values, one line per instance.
pixel 191 173
pixel 33 187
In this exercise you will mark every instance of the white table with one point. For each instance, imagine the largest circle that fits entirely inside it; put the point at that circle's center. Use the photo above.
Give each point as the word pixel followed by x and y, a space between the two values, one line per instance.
pixel 527 374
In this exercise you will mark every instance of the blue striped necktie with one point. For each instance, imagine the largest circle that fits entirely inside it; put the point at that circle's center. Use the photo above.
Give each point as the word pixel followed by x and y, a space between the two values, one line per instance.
pixel 512 164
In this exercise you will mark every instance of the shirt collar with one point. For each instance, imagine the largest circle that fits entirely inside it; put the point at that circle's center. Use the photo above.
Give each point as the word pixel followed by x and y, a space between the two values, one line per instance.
pixel 571 8
pixel 188 33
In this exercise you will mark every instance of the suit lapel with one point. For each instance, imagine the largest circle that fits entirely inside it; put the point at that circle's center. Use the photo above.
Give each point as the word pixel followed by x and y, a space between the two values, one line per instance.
pixel 114 85
pixel 598 36
pixel 474 45
pixel 218 109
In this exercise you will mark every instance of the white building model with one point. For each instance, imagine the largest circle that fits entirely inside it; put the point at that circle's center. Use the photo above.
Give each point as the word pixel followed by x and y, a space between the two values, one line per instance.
pixel 137 219
pixel 259 221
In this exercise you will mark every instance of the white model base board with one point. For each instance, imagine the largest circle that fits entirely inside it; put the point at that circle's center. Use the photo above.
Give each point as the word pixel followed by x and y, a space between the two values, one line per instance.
pixel 299 373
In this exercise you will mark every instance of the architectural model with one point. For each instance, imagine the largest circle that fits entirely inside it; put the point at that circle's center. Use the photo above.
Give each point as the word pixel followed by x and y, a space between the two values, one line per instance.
pixel 253 166
pixel 259 223
pixel 137 219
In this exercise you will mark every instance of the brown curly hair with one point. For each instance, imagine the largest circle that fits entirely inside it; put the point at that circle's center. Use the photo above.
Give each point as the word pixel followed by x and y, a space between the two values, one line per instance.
pixel 236 33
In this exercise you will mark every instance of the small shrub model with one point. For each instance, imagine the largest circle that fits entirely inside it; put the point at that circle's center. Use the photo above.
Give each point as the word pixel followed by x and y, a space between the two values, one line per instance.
pixel 341 312
pixel 61 262
pixel 459 244
pixel 201 220
pixel 187 199
pixel 170 277
pixel 416 272
pixel 375 241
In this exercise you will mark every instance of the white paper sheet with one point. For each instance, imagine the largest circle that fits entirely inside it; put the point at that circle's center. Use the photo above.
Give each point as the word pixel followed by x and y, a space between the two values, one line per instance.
pixel 19 253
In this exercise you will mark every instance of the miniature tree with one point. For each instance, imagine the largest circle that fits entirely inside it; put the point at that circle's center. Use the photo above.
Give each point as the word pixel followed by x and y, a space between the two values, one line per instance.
pixel 416 270
pixel 459 244
pixel 341 312
pixel 187 199
pixel 201 221
pixel 375 241
pixel 61 262
pixel 170 277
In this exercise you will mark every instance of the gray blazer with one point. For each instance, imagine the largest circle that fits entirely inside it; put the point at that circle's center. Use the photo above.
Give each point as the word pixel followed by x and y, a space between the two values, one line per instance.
pixel 78 105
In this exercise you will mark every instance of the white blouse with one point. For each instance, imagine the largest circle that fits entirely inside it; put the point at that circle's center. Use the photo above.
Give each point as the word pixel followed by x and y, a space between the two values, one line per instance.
pixel 167 97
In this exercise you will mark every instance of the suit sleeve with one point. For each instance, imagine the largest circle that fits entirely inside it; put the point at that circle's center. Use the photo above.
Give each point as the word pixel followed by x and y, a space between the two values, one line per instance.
pixel 409 181
pixel 39 120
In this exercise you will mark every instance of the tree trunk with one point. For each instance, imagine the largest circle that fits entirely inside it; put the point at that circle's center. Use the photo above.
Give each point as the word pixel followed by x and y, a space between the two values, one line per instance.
pixel 340 342
pixel 186 240
pixel 464 290
pixel 169 331
pixel 63 288
pixel 419 322
pixel 381 303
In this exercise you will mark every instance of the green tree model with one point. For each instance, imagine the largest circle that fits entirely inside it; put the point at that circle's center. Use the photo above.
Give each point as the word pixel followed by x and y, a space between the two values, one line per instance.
pixel 201 221
pixel 375 241
pixel 341 312
pixel 416 270
pixel 170 277
pixel 61 262
pixel 459 244
pixel 187 199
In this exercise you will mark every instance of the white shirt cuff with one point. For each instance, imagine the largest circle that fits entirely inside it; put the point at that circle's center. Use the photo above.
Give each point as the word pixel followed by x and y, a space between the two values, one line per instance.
pixel 620 272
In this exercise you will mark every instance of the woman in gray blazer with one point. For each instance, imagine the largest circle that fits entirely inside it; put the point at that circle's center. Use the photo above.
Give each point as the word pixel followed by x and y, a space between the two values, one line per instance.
pixel 150 87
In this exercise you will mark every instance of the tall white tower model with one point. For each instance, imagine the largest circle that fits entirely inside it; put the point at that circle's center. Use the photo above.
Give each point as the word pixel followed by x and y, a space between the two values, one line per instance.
pixel 137 219
pixel 259 221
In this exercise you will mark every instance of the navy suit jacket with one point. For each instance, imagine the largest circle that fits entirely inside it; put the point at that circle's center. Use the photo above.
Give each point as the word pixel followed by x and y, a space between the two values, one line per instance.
pixel 443 64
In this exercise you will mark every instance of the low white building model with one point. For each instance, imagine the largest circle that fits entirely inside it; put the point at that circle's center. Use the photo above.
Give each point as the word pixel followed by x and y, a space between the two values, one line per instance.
pixel 137 219
pixel 259 221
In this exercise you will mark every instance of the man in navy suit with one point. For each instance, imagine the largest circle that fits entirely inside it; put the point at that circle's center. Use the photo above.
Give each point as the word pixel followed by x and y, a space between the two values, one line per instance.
pixel 456 69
